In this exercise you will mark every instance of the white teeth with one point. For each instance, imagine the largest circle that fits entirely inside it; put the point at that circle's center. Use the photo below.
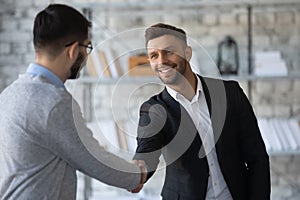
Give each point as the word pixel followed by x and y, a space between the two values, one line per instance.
pixel 165 70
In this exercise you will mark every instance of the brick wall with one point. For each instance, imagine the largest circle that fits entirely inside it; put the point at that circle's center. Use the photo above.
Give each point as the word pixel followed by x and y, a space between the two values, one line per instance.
pixel 274 28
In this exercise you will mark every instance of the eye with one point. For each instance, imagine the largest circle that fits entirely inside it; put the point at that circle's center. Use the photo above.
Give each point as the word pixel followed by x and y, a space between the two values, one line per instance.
pixel 153 56
pixel 168 52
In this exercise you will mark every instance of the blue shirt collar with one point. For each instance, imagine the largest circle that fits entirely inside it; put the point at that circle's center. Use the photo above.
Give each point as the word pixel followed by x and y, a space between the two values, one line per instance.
pixel 38 70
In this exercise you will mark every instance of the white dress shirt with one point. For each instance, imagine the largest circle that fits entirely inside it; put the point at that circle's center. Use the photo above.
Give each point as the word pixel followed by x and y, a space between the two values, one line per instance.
pixel 198 110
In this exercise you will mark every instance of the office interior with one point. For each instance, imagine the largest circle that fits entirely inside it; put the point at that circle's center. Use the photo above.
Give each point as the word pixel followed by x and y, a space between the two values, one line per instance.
pixel 255 42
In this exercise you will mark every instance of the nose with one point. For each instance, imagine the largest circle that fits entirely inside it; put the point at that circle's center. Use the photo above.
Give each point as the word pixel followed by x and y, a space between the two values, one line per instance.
pixel 162 58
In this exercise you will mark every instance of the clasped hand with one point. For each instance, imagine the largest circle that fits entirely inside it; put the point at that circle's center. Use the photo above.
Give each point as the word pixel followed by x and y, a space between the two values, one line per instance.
pixel 142 165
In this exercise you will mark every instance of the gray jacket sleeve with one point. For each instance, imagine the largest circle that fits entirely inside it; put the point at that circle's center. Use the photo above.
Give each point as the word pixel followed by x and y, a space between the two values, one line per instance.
pixel 71 140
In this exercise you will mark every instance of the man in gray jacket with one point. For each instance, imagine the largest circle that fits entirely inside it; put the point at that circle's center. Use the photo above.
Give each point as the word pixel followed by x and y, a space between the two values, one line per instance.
pixel 43 137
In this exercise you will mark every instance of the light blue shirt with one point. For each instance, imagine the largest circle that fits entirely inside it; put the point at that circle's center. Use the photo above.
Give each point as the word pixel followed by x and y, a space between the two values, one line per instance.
pixel 197 108
pixel 38 70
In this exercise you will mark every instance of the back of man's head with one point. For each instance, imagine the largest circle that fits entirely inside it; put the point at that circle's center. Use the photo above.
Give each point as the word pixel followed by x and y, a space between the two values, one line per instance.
pixel 58 25
pixel 161 29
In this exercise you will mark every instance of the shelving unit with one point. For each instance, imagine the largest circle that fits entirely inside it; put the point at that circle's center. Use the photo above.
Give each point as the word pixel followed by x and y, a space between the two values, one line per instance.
pixel 193 8
pixel 145 79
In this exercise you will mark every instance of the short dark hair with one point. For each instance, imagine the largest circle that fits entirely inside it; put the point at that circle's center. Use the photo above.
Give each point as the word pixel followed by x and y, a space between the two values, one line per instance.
pixel 57 25
pixel 161 29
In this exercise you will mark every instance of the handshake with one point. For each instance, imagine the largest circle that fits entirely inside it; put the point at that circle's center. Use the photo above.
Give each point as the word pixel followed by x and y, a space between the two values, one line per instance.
pixel 142 165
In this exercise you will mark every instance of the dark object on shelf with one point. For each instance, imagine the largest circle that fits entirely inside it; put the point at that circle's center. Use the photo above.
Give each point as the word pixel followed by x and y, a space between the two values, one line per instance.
pixel 228 59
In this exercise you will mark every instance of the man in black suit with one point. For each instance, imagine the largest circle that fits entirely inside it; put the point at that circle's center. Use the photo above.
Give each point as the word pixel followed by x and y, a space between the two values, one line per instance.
pixel 205 129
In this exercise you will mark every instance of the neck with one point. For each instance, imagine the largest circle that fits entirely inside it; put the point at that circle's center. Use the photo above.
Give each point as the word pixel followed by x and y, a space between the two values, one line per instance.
pixel 55 65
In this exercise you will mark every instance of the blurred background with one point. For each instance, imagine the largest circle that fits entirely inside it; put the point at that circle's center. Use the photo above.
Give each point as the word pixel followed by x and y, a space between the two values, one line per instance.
pixel 256 42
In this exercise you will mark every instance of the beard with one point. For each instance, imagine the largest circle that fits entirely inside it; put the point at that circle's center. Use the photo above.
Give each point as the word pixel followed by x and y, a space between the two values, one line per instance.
pixel 177 77
pixel 77 66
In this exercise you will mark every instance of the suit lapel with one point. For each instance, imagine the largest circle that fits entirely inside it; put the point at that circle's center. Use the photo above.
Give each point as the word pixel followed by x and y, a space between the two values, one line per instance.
pixel 181 116
pixel 206 94
pixel 215 94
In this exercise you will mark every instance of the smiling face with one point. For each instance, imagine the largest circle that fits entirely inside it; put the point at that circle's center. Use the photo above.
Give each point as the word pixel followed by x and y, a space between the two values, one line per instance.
pixel 168 56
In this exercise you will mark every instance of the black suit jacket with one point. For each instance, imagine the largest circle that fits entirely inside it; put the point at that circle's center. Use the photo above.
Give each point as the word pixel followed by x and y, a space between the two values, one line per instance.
pixel 166 128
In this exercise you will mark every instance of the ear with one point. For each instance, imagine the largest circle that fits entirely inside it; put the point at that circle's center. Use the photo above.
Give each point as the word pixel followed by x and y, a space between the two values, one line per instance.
pixel 73 51
pixel 188 53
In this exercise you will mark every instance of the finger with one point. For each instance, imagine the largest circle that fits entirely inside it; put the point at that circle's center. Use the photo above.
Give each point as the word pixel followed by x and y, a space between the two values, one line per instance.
pixel 137 189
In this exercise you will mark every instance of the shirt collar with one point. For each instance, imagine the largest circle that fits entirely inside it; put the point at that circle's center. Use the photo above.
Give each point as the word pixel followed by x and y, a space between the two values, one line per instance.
pixel 38 70
pixel 176 95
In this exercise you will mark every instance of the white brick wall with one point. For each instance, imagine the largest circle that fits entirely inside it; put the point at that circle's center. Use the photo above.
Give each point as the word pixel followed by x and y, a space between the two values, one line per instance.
pixel 285 177
pixel 283 110
pixel 15 36
pixel 8 24
pixel 210 19
pixel 265 19
pixel 170 18
pixel 26 25
pixel 263 88
pixel 285 18
pixel 242 18
pixel 152 19
pixel 263 110
pixel 5 48
pixel 261 40
pixel 228 19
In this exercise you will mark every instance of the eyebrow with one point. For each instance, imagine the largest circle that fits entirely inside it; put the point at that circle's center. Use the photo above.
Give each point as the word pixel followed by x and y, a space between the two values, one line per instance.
pixel 166 48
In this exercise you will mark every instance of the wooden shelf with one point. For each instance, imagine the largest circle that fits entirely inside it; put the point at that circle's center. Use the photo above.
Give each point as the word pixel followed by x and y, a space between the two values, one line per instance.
pixel 124 79
pixel 261 78
pixel 154 79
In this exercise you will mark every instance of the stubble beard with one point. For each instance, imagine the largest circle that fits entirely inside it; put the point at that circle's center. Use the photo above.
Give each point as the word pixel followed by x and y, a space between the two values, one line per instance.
pixel 177 77
pixel 77 66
